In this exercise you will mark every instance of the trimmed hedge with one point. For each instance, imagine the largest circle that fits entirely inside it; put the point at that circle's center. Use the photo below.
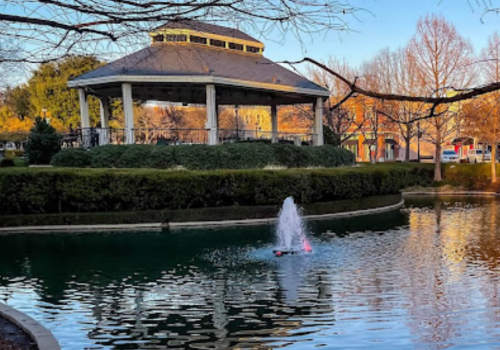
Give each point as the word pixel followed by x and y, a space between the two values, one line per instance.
pixel 199 214
pixel 471 176
pixel 204 157
pixel 53 190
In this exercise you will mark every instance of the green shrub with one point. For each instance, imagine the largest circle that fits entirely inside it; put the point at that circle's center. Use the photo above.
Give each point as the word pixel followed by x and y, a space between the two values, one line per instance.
pixel 107 156
pixel 43 142
pixel 245 156
pixel 72 157
pixel 135 156
pixel 329 137
pixel 289 155
pixel 471 176
pixel 161 157
pixel 6 162
pixel 204 157
pixel 53 190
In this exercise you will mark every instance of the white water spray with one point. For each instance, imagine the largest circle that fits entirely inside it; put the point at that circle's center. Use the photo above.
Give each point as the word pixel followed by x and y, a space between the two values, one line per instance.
pixel 290 230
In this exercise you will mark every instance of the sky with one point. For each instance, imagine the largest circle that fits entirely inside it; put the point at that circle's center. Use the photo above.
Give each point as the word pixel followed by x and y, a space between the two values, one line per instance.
pixel 382 23
pixel 387 23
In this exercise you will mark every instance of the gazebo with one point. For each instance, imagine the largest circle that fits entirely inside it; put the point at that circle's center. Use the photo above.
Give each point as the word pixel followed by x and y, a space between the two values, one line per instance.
pixel 192 62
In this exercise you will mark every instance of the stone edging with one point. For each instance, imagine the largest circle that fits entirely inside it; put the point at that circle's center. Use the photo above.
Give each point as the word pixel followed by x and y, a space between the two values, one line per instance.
pixel 40 335
pixel 251 222
pixel 451 193
pixel 182 225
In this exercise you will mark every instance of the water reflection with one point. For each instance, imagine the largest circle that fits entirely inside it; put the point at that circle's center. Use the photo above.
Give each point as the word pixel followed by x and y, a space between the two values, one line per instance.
pixel 424 278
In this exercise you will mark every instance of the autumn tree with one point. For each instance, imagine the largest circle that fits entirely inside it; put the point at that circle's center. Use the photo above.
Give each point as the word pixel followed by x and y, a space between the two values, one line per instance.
pixel 18 100
pixel 443 60
pixel 482 115
pixel 338 118
pixel 481 119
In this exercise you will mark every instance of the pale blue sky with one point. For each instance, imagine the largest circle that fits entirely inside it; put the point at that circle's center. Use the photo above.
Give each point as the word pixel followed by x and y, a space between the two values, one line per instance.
pixel 387 23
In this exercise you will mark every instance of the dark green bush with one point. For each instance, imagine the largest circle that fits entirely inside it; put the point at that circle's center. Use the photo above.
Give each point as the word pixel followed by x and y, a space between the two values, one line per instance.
pixel 245 156
pixel 161 157
pixel 329 137
pixel 135 156
pixel 7 162
pixel 107 156
pixel 204 157
pixel 289 155
pixel 72 157
pixel 43 142
pixel 53 190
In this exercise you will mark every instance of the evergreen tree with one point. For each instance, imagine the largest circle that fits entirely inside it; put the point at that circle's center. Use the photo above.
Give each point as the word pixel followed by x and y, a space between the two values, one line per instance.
pixel 43 143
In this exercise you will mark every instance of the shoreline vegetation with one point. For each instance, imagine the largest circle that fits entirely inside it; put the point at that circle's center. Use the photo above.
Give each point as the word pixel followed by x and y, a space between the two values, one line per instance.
pixel 82 196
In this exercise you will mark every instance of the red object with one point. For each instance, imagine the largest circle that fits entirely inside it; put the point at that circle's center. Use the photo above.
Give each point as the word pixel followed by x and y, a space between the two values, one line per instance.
pixel 307 246
pixel 278 253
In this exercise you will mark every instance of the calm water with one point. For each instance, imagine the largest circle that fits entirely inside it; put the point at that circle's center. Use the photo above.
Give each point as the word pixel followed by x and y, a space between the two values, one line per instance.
pixel 427 277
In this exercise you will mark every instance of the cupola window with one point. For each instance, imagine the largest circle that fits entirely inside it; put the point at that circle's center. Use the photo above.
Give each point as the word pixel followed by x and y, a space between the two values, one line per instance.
pixel 176 37
pixel 237 47
pixel 218 43
pixel 158 38
pixel 198 39
pixel 253 49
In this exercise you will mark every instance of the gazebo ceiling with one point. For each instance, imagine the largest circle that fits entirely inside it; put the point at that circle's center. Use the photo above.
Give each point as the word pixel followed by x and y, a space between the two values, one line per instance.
pixel 196 94
pixel 179 73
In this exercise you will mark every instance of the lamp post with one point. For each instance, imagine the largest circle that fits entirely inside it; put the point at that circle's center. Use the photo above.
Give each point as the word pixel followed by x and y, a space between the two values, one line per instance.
pixel 236 107
pixel 419 135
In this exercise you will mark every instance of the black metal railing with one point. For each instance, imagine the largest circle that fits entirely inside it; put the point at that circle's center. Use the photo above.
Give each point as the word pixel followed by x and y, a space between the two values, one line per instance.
pixel 171 136
pixel 235 135
pixel 92 137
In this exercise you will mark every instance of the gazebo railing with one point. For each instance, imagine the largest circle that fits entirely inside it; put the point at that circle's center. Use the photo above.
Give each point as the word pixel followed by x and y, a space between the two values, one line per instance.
pixel 92 137
pixel 171 136
pixel 235 135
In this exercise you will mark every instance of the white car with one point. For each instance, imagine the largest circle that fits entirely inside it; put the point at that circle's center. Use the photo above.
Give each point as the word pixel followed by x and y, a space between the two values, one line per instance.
pixel 449 156
pixel 476 156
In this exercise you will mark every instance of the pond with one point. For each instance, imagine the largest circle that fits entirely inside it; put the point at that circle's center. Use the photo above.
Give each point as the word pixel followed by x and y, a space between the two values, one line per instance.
pixel 425 277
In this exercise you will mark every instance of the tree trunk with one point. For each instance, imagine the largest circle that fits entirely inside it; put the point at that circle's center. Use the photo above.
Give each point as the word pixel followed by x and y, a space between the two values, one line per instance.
pixel 484 150
pixel 494 163
pixel 407 150
pixel 437 165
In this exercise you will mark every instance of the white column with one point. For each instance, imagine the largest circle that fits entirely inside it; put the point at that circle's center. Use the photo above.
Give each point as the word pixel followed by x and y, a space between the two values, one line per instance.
pixel 128 110
pixel 274 123
pixel 104 132
pixel 211 125
pixel 84 117
pixel 318 122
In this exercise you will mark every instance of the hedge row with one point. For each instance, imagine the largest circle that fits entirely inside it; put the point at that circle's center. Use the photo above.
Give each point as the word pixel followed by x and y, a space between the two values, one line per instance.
pixel 204 157
pixel 198 214
pixel 471 176
pixel 53 190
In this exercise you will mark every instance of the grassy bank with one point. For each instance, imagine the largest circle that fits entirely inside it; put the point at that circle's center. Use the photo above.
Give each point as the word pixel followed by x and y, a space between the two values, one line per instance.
pixel 57 190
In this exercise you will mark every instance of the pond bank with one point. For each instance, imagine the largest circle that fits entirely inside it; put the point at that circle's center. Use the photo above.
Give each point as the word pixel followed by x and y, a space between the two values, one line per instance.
pixel 18 331
pixel 206 217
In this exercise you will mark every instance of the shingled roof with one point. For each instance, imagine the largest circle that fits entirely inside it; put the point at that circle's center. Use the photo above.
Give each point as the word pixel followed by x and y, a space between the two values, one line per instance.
pixel 207 28
pixel 202 61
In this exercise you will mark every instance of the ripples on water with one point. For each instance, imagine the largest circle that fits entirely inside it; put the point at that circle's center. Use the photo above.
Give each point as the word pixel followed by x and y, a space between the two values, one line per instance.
pixel 423 278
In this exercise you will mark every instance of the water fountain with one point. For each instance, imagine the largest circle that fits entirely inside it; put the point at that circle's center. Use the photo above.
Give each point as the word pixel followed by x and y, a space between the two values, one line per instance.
pixel 290 230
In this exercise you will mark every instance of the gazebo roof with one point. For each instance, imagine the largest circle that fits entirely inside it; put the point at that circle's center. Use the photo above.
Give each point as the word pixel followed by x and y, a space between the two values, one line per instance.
pixel 207 28
pixel 174 62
